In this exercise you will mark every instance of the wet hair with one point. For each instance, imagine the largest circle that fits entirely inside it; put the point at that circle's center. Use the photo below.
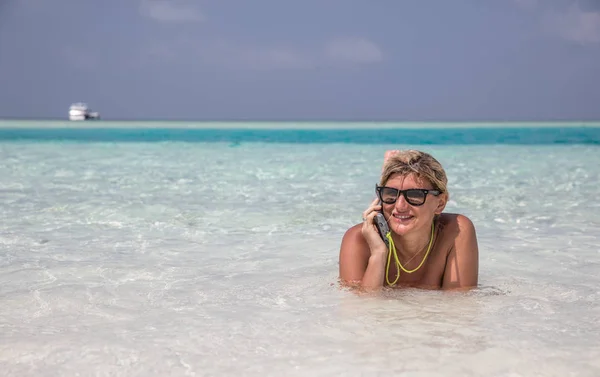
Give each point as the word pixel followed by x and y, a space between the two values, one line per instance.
pixel 422 164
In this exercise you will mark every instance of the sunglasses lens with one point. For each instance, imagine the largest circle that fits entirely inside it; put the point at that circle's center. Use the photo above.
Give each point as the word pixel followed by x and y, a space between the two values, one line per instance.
pixel 389 195
pixel 415 197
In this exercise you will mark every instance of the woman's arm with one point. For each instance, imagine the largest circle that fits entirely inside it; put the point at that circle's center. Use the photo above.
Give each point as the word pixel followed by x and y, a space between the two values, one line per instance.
pixel 359 266
pixel 362 265
pixel 462 263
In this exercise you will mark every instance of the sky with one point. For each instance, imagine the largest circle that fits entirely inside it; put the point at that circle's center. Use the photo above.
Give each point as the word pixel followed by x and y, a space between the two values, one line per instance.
pixel 399 60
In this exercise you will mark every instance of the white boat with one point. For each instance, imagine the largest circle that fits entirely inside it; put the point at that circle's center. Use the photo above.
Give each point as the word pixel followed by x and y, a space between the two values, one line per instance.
pixel 81 111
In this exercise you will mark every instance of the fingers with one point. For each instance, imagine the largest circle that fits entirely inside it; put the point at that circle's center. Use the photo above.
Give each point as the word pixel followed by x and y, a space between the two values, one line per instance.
pixel 369 217
pixel 372 207
pixel 369 229
pixel 375 201
pixel 371 211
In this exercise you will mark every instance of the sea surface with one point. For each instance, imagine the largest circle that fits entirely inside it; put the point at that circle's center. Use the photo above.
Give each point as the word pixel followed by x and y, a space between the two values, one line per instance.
pixel 152 249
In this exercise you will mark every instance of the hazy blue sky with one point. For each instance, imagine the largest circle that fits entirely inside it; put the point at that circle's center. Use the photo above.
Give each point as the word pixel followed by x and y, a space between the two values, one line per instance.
pixel 304 59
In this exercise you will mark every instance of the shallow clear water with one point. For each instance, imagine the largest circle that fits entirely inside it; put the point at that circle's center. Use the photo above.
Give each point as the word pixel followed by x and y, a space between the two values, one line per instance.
pixel 213 259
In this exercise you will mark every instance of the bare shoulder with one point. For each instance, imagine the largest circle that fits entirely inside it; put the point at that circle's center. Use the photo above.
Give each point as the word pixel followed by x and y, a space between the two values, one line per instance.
pixel 456 225
pixel 354 255
pixel 354 243
pixel 462 263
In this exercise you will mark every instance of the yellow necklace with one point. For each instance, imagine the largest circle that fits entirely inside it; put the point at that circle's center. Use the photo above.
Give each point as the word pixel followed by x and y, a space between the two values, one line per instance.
pixel 399 265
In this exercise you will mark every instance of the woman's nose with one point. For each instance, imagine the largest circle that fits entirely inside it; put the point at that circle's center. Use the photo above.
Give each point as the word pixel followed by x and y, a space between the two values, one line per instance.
pixel 401 202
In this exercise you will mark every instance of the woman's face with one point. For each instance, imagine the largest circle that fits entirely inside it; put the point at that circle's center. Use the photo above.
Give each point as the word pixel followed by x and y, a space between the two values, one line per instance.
pixel 404 217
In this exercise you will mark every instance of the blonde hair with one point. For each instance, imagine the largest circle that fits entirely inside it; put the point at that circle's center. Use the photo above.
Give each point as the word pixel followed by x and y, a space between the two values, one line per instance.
pixel 422 164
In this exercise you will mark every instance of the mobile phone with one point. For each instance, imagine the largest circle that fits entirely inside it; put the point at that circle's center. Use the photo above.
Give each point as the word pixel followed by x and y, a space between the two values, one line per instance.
pixel 382 227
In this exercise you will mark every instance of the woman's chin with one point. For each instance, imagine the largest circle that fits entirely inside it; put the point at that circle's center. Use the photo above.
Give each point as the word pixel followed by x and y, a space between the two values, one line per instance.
pixel 402 227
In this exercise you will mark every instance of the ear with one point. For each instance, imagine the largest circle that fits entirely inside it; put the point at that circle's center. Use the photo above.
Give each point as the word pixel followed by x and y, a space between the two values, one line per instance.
pixel 442 199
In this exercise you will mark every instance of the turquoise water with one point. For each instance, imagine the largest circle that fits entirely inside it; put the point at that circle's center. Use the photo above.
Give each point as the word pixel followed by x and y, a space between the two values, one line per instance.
pixel 217 255
pixel 453 134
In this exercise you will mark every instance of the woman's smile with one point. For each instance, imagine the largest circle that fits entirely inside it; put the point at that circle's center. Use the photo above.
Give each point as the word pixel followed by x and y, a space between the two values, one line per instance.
pixel 402 219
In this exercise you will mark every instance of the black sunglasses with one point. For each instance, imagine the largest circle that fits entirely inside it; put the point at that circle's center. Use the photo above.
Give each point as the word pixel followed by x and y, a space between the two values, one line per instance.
pixel 414 197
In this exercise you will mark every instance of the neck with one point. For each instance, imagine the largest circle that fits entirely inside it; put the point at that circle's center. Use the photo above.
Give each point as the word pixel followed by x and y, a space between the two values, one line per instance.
pixel 411 244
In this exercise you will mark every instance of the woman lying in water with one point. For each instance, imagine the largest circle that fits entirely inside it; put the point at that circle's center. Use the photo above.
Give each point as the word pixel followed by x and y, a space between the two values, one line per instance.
pixel 426 248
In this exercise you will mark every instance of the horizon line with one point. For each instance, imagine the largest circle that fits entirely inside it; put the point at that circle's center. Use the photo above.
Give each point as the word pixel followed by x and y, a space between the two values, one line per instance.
pixel 283 125
pixel 283 120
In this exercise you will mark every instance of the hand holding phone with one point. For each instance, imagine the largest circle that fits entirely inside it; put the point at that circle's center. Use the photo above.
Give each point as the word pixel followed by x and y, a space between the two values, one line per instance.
pixel 380 221
pixel 375 227
pixel 383 228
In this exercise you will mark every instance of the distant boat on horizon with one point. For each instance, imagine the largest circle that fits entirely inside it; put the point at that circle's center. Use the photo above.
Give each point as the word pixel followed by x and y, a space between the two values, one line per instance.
pixel 81 111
